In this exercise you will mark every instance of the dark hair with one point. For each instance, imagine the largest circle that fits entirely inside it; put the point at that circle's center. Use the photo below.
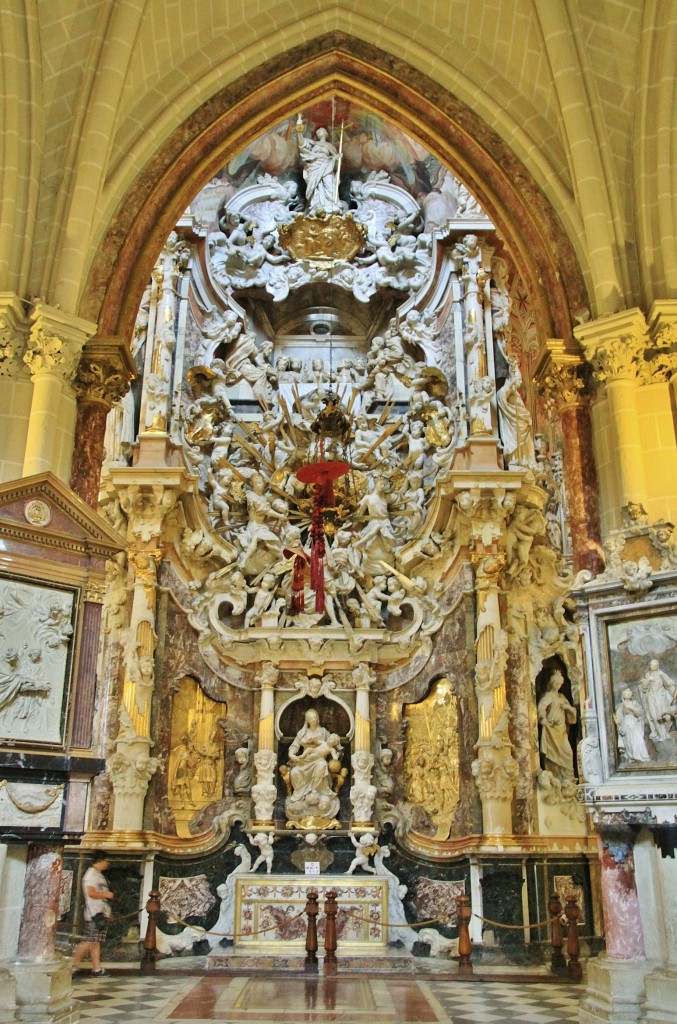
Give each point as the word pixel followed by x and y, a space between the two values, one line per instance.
pixel 99 855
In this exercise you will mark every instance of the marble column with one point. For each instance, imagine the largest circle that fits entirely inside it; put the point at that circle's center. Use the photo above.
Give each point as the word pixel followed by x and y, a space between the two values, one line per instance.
pixel 656 873
pixel 559 381
pixel 615 988
pixel 615 347
pixel 102 379
pixel 52 353
pixel 43 977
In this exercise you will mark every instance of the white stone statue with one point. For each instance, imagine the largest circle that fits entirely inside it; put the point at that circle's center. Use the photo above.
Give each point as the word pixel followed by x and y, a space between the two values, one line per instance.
pixel 514 424
pixel 555 714
pixel 630 724
pixel 320 159
pixel 308 774
pixel 656 693
pixel 362 792
pixel 264 843
pixel 264 793
pixel 365 847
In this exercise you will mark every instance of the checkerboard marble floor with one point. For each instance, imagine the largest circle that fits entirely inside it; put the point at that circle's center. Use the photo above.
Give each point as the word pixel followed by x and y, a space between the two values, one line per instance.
pixel 170 999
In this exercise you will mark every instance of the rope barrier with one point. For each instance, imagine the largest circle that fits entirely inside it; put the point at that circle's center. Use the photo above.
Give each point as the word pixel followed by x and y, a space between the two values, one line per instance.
pixel 402 924
pixel 232 935
pixel 515 927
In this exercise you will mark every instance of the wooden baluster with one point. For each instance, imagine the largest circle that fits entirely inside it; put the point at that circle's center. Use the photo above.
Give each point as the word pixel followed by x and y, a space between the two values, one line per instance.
pixel 573 944
pixel 330 912
pixel 558 964
pixel 150 941
pixel 312 910
pixel 463 915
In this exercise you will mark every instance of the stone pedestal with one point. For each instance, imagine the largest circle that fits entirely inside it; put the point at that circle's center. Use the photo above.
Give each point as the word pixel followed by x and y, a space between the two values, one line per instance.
pixel 7 995
pixel 43 991
pixel 661 996
pixel 615 991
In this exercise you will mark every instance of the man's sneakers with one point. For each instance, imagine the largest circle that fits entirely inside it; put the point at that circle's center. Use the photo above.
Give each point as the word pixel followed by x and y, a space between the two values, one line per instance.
pixel 100 974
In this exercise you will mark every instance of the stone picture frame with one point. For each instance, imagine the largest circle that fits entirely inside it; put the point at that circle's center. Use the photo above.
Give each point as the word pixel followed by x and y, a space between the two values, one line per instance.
pixel 636 671
pixel 37 628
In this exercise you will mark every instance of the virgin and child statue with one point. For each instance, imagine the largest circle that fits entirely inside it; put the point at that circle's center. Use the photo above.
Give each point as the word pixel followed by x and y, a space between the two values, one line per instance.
pixel 313 776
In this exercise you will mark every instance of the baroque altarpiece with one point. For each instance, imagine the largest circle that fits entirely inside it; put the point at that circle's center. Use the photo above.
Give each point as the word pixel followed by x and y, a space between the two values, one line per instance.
pixel 346 623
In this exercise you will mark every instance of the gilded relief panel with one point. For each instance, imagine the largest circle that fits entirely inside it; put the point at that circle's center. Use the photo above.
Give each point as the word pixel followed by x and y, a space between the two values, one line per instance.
pixel 431 763
pixel 196 760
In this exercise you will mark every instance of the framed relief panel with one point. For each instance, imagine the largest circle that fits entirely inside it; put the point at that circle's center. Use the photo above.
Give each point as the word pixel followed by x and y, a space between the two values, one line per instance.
pixel 641 655
pixel 37 623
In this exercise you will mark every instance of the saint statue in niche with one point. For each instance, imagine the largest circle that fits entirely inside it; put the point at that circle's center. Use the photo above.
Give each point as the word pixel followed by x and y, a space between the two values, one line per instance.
pixel 555 715
pixel 313 776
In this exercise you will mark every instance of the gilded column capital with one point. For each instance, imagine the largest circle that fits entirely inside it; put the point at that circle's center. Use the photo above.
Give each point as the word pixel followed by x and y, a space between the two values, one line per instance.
pixel 562 385
pixel 614 345
pixel 56 341
pixel 13 331
pixel 105 372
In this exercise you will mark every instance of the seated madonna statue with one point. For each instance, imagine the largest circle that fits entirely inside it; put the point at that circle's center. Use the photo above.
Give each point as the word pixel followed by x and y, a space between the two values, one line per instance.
pixel 313 776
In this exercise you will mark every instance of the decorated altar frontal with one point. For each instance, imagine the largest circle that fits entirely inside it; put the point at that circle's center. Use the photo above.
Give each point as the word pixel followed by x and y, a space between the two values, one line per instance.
pixel 269 912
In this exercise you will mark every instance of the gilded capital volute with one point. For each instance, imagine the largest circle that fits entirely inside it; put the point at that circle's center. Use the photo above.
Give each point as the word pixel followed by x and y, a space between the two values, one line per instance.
pixel 562 385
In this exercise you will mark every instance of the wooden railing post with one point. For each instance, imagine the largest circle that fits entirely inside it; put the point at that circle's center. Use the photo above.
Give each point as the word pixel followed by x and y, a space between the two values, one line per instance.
pixel 150 941
pixel 312 910
pixel 558 964
pixel 330 912
pixel 573 944
pixel 463 915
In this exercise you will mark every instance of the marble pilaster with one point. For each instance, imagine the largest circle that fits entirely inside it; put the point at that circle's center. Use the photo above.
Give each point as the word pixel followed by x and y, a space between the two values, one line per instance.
pixel 52 353
pixel 559 380
pixel 656 872
pixel 102 379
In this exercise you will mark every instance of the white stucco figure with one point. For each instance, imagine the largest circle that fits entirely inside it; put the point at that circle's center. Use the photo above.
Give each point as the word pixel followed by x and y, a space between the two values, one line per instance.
pixel 630 724
pixel 514 424
pixel 555 714
pixel 656 693
pixel 320 159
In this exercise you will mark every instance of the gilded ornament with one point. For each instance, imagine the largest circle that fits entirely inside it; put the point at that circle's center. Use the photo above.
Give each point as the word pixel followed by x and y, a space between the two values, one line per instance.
pixel 321 237
pixel 37 513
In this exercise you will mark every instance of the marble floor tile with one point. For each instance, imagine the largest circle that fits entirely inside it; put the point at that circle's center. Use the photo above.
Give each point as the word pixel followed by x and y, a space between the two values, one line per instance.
pixel 234 999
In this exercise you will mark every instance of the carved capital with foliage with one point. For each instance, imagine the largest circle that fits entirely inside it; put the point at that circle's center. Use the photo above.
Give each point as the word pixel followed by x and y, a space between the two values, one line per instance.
pixel 13 329
pixel 56 341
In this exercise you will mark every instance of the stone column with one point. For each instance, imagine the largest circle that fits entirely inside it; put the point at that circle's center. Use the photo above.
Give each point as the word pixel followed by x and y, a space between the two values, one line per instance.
pixel 616 978
pixel 558 378
pixel 485 505
pixel 102 379
pixel 264 792
pixel 54 345
pixel 43 977
pixel 363 677
pixel 130 768
pixel 267 680
pixel 615 347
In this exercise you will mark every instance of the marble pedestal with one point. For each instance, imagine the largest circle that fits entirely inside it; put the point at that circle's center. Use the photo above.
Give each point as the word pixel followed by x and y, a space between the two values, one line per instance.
pixel 615 991
pixel 44 993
